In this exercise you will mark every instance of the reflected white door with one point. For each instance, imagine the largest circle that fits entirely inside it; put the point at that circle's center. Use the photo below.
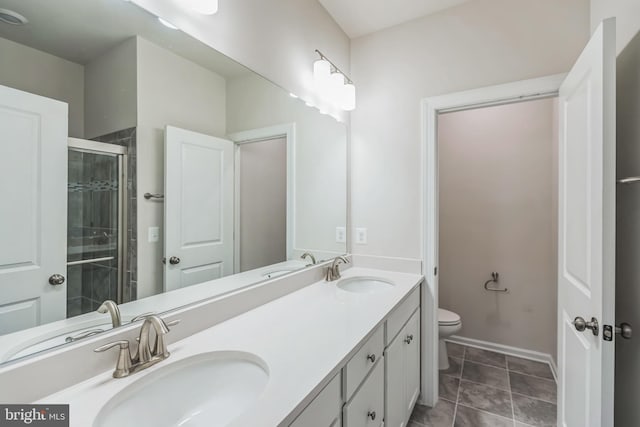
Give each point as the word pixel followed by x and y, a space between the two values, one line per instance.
pixel 33 209
pixel 587 233
pixel 198 220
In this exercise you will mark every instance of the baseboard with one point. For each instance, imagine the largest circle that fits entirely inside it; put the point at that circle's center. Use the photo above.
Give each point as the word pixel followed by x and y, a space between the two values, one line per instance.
pixel 511 351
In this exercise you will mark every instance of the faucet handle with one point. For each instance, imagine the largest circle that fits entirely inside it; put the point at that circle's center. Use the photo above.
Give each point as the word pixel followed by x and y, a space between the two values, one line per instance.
pixel 174 322
pixel 123 365
pixel 141 316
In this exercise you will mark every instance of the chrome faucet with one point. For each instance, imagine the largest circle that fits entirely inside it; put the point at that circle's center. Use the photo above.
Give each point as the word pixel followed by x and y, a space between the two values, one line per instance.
pixel 146 355
pixel 309 255
pixel 111 307
pixel 333 272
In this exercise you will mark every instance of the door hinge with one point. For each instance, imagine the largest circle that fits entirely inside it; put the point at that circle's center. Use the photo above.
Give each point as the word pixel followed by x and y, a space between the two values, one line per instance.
pixel 435 271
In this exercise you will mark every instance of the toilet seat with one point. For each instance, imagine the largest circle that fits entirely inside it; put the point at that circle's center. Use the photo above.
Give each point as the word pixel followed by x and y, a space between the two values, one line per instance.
pixel 447 318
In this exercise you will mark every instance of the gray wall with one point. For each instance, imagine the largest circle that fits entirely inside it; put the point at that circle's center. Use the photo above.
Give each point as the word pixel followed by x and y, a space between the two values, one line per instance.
pixel 34 71
pixel 263 203
pixel 110 91
pixel 498 212
pixel 170 91
pixel 479 43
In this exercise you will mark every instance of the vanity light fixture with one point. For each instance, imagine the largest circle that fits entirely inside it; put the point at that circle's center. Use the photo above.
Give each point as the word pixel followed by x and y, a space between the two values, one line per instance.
pixel 332 85
pixel 204 7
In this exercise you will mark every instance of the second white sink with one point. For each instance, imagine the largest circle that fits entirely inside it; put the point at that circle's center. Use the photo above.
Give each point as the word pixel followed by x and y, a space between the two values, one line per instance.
pixel 365 285
pixel 209 389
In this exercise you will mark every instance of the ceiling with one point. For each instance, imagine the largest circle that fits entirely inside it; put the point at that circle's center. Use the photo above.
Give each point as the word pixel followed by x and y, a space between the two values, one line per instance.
pixel 82 30
pixel 361 17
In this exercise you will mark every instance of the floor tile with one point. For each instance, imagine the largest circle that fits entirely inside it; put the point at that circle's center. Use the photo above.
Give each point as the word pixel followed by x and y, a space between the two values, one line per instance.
pixel 455 366
pixel 528 385
pixel 534 412
pixel 483 374
pixel 485 356
pixel 439 416
pixel 530 367
pixel 448 387
pixel 487 398
pixel 455 350
pixel 469 417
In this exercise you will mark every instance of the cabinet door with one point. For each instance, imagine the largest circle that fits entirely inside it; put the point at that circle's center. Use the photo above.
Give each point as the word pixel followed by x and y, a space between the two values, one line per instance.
pixel 366 409
pixel 411 342
pixel 395 411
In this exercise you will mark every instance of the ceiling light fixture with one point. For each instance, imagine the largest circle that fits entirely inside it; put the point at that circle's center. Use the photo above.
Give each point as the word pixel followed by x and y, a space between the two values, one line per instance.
pixel 205 7
pixel 332 85
pixel 12 18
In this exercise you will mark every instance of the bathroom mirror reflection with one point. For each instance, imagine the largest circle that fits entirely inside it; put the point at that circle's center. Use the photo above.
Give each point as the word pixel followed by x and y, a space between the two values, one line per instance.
pixel 143 167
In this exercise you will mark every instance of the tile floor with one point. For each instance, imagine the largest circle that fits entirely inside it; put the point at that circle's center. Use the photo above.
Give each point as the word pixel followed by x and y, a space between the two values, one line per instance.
pixel 487 389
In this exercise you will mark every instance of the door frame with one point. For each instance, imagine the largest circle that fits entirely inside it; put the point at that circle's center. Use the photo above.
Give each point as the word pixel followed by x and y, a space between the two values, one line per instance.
pixel 287 131
pixel 523 90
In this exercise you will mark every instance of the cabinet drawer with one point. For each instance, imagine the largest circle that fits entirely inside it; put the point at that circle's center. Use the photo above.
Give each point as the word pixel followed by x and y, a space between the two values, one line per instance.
pixel 366 409
pixel 324 410
pixel 359 366
pixel 400 315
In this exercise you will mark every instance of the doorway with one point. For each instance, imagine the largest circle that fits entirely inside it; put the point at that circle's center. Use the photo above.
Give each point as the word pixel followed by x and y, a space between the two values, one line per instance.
pixel 96 232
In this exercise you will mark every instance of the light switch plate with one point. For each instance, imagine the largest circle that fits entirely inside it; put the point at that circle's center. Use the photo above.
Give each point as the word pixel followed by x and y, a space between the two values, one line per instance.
pixel 154 234
pixel 361 236
pixel 341 235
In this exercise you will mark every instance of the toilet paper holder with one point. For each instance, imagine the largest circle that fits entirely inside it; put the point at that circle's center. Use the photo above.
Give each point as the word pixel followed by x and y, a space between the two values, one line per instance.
pixel 494 279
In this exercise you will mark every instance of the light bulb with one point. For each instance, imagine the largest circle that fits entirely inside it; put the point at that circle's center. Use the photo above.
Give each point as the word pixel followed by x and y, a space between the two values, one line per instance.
pixel 348 97
pixel 321 75
pixel 205 7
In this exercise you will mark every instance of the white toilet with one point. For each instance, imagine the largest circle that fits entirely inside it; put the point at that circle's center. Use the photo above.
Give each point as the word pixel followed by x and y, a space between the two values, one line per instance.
pixel 448 324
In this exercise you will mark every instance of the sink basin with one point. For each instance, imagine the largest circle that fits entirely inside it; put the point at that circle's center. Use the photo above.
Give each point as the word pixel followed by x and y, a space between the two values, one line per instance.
pixel 365 285
pixel 209 389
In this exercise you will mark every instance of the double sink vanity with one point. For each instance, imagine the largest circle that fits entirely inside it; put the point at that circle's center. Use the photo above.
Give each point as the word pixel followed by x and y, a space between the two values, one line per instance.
pixel 344 352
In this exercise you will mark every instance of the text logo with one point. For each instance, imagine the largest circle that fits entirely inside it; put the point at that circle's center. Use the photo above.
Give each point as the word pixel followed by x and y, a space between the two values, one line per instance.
pixel 34 415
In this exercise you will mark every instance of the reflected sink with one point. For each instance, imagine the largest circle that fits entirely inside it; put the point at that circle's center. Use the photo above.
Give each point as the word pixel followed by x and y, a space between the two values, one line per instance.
pixel 365 285
pixel 209 389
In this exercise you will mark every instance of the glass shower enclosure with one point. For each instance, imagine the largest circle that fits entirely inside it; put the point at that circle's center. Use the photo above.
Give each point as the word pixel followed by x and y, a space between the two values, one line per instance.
pixel 96 242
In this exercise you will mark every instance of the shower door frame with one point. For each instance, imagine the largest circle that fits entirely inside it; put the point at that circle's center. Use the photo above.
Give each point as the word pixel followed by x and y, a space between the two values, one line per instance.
pixel 105 149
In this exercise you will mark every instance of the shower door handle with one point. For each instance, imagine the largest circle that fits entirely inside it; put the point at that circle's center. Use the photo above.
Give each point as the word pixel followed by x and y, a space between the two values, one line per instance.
pixel 56 279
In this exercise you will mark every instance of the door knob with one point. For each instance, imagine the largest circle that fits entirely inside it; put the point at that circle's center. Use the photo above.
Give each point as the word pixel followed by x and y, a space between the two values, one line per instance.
pixel 624 330
pixel 56 279
pixel 174 260
pixel 580 324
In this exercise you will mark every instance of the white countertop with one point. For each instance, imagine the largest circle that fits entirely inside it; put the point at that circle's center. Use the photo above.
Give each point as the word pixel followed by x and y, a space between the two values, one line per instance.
pixel 303 337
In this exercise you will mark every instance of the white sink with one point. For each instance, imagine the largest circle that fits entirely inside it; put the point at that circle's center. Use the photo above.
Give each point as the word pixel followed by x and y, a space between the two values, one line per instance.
pixel 365 285
pixel 209 389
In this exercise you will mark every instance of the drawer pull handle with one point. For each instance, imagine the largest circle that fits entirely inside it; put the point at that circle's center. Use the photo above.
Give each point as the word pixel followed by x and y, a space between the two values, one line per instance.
pixel 408 339
pixel 372 358
pixel 372 415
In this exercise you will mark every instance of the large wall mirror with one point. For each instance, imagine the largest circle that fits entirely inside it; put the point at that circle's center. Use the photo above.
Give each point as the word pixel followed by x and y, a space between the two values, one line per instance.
pixel 142 167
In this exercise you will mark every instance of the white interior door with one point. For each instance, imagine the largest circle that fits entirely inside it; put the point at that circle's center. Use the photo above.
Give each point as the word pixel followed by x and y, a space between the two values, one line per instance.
pixel 198 220
pixel 587 234
pixel 33 209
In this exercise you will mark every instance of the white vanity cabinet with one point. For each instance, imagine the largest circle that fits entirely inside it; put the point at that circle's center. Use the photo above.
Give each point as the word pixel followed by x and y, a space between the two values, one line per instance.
pixel 402 361
pixel 380 383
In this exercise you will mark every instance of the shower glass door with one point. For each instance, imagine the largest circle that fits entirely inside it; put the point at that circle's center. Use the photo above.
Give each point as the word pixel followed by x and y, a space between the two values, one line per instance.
pixel 96 214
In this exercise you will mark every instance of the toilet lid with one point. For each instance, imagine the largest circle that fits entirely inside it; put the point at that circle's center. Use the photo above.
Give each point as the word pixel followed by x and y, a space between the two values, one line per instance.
pixel 446 317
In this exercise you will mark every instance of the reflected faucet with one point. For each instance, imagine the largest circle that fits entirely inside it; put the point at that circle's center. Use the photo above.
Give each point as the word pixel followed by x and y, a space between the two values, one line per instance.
pixel 333 272
pixel 309 255
pixel 111 307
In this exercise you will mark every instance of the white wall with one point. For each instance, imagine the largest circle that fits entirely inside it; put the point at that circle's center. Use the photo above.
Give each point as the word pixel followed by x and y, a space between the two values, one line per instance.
pixel 34 71
pixel 276 39
pixel 479 43
pixel 498 213
pixel 110 91
pixel 171 91
pixel 627 14
pixel 320 157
